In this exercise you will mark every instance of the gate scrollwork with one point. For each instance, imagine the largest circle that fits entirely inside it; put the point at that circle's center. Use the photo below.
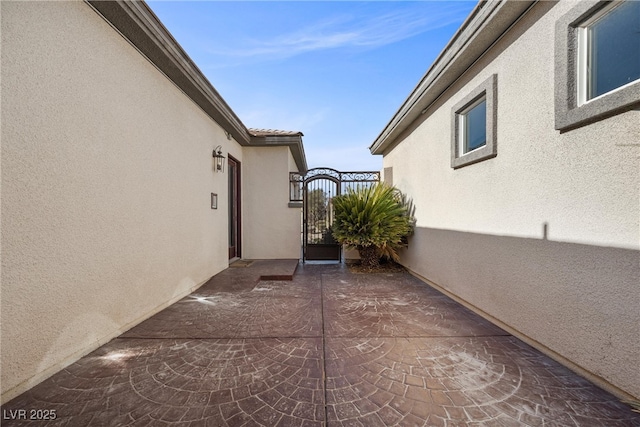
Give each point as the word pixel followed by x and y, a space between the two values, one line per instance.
pixel 316 190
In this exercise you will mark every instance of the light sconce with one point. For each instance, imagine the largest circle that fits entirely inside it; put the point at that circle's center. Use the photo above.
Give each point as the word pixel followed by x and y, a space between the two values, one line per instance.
pixel 218 159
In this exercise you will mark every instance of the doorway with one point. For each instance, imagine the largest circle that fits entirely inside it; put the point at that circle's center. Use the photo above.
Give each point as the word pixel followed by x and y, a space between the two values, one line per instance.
pixel 234 208
pixel 316 190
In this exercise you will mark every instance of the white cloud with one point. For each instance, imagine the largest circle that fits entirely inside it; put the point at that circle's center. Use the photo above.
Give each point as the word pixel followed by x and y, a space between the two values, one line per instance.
pixel 365 31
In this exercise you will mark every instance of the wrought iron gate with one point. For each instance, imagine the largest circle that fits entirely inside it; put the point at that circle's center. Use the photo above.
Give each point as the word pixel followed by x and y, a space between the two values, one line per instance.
pixel 316 190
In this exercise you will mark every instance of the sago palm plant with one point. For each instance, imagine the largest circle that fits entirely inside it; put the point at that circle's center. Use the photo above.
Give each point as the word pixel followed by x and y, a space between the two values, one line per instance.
pixel 374 220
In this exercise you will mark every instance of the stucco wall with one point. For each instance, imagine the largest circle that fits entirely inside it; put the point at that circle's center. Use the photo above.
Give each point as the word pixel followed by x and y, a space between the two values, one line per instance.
pixel 106 182
pixel 271 229
pixel 544 237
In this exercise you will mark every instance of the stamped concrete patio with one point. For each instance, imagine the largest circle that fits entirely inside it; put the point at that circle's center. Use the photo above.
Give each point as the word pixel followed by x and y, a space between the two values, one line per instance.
pixel 321 347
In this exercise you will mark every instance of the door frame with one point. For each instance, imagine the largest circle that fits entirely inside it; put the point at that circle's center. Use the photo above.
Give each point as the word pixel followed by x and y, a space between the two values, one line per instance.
pixel 235 221
pixel 324 248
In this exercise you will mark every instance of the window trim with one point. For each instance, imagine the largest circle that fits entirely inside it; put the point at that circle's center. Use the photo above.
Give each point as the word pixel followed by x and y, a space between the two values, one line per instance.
pixel 487 90
pixel 572 109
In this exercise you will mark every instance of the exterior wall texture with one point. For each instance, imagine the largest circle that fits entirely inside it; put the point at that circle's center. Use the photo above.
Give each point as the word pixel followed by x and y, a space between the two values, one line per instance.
pixel 106 181
pixel 271 228
pixel 543 238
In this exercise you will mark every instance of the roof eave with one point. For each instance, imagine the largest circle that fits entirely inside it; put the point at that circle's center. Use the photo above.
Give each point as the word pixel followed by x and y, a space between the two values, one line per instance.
pixel 486 24
pixel 137 23
pixel 294 142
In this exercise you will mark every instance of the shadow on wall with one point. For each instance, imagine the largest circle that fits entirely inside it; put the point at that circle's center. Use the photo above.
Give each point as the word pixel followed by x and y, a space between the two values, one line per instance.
pixel 579 301
pixel 82 333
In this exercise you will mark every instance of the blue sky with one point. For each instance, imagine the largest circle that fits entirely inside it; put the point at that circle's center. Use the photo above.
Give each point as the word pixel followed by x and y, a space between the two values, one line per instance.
pixel 335 70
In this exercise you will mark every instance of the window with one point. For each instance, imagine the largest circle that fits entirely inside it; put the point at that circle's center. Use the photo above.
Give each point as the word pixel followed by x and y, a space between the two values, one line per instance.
pixel 609 50
pixel 474 126
pixel 473 122
pixel 597 62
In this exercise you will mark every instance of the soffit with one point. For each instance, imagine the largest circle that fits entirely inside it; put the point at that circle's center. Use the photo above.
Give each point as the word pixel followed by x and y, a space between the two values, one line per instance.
pixel 274 137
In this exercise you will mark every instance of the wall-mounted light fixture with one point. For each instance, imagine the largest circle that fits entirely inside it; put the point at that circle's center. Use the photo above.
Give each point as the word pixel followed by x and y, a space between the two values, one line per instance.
pixel 218 159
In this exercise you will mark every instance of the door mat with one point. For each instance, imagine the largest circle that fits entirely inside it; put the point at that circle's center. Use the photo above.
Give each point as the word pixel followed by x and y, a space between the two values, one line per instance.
pixel 241 263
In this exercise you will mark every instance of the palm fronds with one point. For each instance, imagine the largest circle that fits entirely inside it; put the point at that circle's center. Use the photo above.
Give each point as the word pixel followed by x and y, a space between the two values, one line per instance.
pixel 378 217
pixel 635 405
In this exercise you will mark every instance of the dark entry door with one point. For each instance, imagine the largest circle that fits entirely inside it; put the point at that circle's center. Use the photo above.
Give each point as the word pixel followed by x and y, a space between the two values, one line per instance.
pixel 234 208
pixel 319 243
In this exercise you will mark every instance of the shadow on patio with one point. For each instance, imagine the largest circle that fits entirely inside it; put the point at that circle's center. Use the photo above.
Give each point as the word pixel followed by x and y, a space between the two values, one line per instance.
pixel 327 347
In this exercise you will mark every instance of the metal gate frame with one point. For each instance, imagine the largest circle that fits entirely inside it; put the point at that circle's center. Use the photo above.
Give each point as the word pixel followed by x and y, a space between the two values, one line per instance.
pixel 318 244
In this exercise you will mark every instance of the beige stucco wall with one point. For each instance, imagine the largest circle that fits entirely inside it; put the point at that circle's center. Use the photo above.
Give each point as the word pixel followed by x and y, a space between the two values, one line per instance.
pixel 480 236
pixel 106 181
pixel 271 229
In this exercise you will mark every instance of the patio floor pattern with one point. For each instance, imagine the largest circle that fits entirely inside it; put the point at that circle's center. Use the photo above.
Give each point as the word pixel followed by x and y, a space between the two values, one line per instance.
pixel 327 348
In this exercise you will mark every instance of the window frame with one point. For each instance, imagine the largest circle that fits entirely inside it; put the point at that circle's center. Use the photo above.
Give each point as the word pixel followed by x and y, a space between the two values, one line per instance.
pixel 486 91
pixel 572 108
pixel 463 119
